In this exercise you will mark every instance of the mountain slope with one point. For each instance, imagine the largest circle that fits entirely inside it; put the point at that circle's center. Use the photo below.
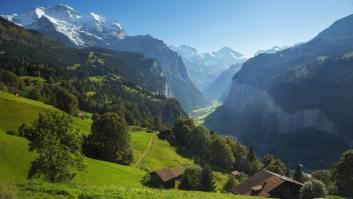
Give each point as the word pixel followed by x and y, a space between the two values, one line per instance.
pixel 295 100
pixel 220 87
pixel 74 29
pixel 102 80
pixel 204 68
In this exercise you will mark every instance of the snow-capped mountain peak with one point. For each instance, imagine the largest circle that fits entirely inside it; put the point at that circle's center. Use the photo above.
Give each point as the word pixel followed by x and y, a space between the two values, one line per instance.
pixel 97 17
pixel 80 29
pixel 39 12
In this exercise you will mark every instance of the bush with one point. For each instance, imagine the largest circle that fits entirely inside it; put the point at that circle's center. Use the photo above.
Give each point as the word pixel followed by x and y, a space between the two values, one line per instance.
pixel 313 189
pixel 191 179
pixel 326 177
pixel 12 132
pixel 230 184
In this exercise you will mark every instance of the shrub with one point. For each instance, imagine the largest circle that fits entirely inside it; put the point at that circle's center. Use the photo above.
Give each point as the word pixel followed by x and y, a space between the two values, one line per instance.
pixel 12 132
pixel 191 178
pixel 230 184
pixel 313 189
pixel 207 182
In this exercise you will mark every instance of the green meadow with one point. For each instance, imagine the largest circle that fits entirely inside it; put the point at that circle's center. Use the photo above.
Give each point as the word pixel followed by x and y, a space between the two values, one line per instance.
pixel 100 179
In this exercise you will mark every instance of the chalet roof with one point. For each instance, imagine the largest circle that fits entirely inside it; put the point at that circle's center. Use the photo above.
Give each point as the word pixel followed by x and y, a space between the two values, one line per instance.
pixel 235 173
pixel 262 183
pixel 167 174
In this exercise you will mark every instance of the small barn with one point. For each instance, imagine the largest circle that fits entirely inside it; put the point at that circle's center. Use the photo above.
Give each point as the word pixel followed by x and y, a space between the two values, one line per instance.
pixel 269 184
pixel 166 177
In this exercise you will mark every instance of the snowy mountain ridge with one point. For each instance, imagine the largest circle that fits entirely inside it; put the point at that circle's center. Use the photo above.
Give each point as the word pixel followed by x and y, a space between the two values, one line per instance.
pixel 80 29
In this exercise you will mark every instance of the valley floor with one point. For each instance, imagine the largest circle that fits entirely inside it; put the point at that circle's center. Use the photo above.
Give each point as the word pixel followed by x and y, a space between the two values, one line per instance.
pixel 199 115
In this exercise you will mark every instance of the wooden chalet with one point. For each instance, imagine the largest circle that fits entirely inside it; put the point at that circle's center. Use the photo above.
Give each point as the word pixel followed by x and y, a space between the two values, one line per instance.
pixel 269 184
pixel 166 177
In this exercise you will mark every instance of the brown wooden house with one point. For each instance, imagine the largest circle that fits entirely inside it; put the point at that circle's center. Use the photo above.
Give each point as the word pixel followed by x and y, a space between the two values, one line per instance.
pixel 269 184
pixel 166 177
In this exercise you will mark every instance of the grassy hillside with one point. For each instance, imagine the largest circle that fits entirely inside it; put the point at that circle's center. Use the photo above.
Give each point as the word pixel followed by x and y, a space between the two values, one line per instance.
pixel 15 111
pixel 108 180
pixel 152 153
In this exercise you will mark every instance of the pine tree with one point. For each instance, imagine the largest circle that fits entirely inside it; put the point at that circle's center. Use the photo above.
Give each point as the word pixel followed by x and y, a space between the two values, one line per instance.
pixel 156 124
pixel 298 175
pixel 207 180
pixel 251 155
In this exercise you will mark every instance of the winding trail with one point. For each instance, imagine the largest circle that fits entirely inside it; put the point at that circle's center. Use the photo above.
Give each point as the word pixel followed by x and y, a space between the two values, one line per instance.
pixel 147 151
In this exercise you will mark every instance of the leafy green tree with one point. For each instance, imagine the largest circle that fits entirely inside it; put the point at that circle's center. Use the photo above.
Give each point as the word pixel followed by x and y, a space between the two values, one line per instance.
pixel 313 189
pixel 207 181
pixel 109 140
pixel 273 164
pixel 58 145
pixel 199 142
pixel 221 153
pixel 66 101
pixel 240 154
pixel 326 177
pixel 191 179
pixel 182 130
pixel 299 175
pixel 34 94
pixel 343 174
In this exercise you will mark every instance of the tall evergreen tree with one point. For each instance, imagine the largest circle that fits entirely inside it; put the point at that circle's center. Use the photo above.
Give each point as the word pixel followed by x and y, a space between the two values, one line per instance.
pixel 156 124
pixel 251 155
pixel 207 179
pixel 298 175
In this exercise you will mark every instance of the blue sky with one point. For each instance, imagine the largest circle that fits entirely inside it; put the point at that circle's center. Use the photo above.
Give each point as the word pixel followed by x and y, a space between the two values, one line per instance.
pixel 244 25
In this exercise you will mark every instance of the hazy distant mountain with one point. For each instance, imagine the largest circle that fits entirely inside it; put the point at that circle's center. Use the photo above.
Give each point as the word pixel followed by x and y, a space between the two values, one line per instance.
pixel 220 87
pixel 204 68
pixel 74 29
pixel 296 103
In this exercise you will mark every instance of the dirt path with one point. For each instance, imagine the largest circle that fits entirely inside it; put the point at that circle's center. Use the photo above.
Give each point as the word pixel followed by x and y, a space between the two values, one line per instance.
pixel 148 149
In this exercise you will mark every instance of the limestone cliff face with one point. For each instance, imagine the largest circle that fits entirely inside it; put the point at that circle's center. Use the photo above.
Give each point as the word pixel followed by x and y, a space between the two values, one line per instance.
pixel 272 118
pixel 296 100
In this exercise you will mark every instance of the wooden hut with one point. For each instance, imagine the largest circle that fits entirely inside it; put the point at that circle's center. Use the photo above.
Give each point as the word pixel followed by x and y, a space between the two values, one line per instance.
pixel 166 177
pixel 269 184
